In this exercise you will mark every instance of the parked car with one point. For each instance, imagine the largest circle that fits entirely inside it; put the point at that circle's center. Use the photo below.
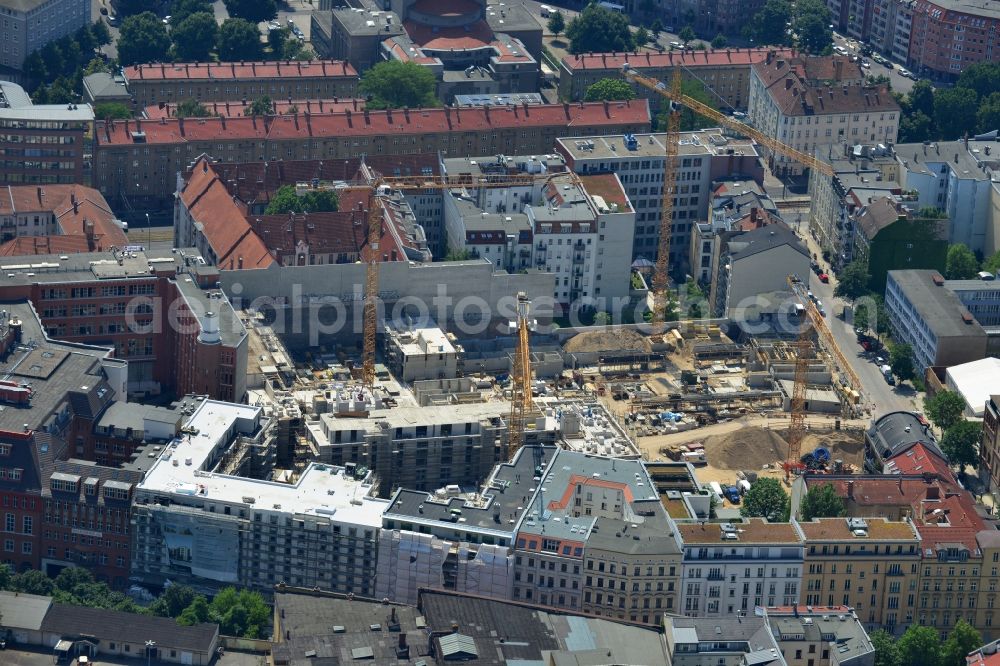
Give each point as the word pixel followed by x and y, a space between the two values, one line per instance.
pixel 905 72
pixel 104 11
pixel 824 278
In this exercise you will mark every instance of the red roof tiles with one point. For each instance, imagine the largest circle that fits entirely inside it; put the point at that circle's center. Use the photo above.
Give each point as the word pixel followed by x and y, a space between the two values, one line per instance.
pixel 368 123
pixel 688 59
pixel 236 109
pixel 223 71
pixel 78 211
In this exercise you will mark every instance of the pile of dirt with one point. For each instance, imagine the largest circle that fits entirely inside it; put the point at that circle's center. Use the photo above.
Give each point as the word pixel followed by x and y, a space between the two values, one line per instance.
pixel 746 448
pixel 617 339
pixel 842 445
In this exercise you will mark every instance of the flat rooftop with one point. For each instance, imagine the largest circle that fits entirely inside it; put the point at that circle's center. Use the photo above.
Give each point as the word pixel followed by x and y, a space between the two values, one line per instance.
pixel 183 470
pixel 703 142
pixel 938 307
pixel 876 529
pixel 419 339
pixel 754 530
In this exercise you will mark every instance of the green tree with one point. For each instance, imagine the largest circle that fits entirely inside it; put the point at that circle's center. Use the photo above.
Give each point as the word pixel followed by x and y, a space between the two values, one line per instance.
pixel 656 27
pixel 262 106
pixel 961 263
pixel 557 23
pixel 597 30
pixel 690 119
pixel 254 11
pixel 34 67
pixel 181 9
pixel 988 113
pixel 921 97
pixel 915 127
pixel 983 77
pixel 862 318
pixel 393 84
pixel 768 26
pixel 992 264
pixel 173 601
pixel 901 361
pixel 284 201
pixel 33 581
pixel 853 281
pixel 115 110
pixel 240 613
pixel 766 499
pixel 96 65
pixel 143 38
pixel 945 408
pixel 55 61
pixel 607 90
pixel 812 24
pixel 457 255
pixel 886 649
pixel 320 201
pixel 961 442
pixel 602 319
pixel 195 36
pixel 822 502
pixel 196 613
pixel 686 34
pixel 962 640
pixel 101 33
pixel 131 7
pixel 190 108
pixel 239 40
pixel 641 36
pixel 6 577
pixel 920 646
pixel 84 37
pixel 719 41
pixel 955 112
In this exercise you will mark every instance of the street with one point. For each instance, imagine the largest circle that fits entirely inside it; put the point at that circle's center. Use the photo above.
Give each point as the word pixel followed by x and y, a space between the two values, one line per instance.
pixel 899 83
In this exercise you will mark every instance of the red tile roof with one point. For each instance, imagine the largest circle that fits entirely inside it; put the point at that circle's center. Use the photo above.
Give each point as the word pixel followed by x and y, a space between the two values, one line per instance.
pixel 75 208
pixel 473 36
pixel 223 222
pixel 917 460
pixel 367 123
pixel 982 658
pixel 236 109
pixel 802 85
pixel 689 59
pixel 223 71
pixel 34 245
pixel 952 520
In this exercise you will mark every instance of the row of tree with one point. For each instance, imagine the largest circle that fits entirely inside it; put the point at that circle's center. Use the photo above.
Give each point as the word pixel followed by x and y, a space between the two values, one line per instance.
pixel 238 612
pixel 922 646
pixel 255 11
pixel 55 71
pixel 768 499
pixel 971 106
pixel 805 24
pixel 960 440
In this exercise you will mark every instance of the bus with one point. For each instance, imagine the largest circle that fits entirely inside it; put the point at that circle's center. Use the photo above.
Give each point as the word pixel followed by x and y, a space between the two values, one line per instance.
pixel 610 6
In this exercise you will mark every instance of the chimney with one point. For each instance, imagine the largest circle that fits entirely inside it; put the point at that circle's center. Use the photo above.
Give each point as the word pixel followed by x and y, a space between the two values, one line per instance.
pixel 850 490
pixel 838 68
pixel 76 206
pixel 240 262
pixel 933 492
pixel 789 83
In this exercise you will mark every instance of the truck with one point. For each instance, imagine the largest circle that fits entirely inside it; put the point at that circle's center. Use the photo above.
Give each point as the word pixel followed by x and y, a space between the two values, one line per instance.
pixel 733 494
pixel 717 491
pixel 887 373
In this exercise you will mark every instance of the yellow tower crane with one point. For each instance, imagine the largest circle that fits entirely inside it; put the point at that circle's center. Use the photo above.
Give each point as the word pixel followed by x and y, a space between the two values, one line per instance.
pixel 520 392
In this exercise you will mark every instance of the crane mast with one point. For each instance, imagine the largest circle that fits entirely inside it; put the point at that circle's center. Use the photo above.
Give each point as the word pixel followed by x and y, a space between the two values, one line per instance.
pixel 661 276
pixel 520 398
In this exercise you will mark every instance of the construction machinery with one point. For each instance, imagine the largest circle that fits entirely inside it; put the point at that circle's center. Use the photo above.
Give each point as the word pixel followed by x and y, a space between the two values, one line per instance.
pixel 661 276
pixel 674 94
pixel 520 391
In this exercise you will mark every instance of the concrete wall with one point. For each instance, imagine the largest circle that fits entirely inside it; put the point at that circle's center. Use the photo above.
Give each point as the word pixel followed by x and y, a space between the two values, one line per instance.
pixel 467 291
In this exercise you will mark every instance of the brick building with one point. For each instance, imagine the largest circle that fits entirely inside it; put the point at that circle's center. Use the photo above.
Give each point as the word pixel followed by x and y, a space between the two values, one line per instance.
pixel 154 310
pixel 724 72
pixel 237 81
pixel 33 217
pixel 137 161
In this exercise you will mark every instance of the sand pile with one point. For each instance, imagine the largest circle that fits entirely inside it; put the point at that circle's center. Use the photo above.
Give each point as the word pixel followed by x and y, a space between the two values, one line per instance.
pixel 842 445
pixel 747 448
pixel 608 340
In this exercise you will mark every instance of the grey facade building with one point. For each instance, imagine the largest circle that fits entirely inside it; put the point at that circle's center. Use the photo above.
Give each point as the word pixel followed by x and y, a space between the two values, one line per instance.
pixel 932 319
pixel 28 25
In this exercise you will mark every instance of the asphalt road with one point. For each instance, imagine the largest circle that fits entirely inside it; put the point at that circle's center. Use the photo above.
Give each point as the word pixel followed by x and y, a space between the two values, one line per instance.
pixel 899 83
pixel 877 394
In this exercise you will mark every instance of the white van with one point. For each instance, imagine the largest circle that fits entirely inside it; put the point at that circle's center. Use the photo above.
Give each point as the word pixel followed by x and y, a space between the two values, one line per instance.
pixel 545 11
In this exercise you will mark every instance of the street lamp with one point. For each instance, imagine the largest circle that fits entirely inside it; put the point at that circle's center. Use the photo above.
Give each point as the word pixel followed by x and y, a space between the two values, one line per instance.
pixel 150 646
pixel 148 233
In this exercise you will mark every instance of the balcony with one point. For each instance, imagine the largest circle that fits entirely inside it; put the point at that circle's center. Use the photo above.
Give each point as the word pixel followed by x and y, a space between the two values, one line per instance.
pixel 716 576
pixel 578 258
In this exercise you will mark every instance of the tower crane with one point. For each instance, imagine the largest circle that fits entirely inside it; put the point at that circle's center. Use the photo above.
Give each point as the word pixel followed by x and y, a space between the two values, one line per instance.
pixel 520 392
pixel 379 188
pixel 798 400
pixel 661 276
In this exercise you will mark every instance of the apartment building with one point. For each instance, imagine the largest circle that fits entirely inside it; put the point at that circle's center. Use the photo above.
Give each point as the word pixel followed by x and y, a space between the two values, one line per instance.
pixel 989 445
pixel 55 218
pixel 953 177
pixel 28 25
pixel 756 262
pixel 453 541
pixel 725 73
pixel 64 129
pixel 199 523
pixel 869 564
pixel 891 235
pixel 160 311
pixel 416 350
pixel 171 83
pixel 947 36
pixel 933 320
pixel 138 160
pixel 813 102
pixel 734 567
pixel 420 448
pixel 893 434
pixel 704 156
